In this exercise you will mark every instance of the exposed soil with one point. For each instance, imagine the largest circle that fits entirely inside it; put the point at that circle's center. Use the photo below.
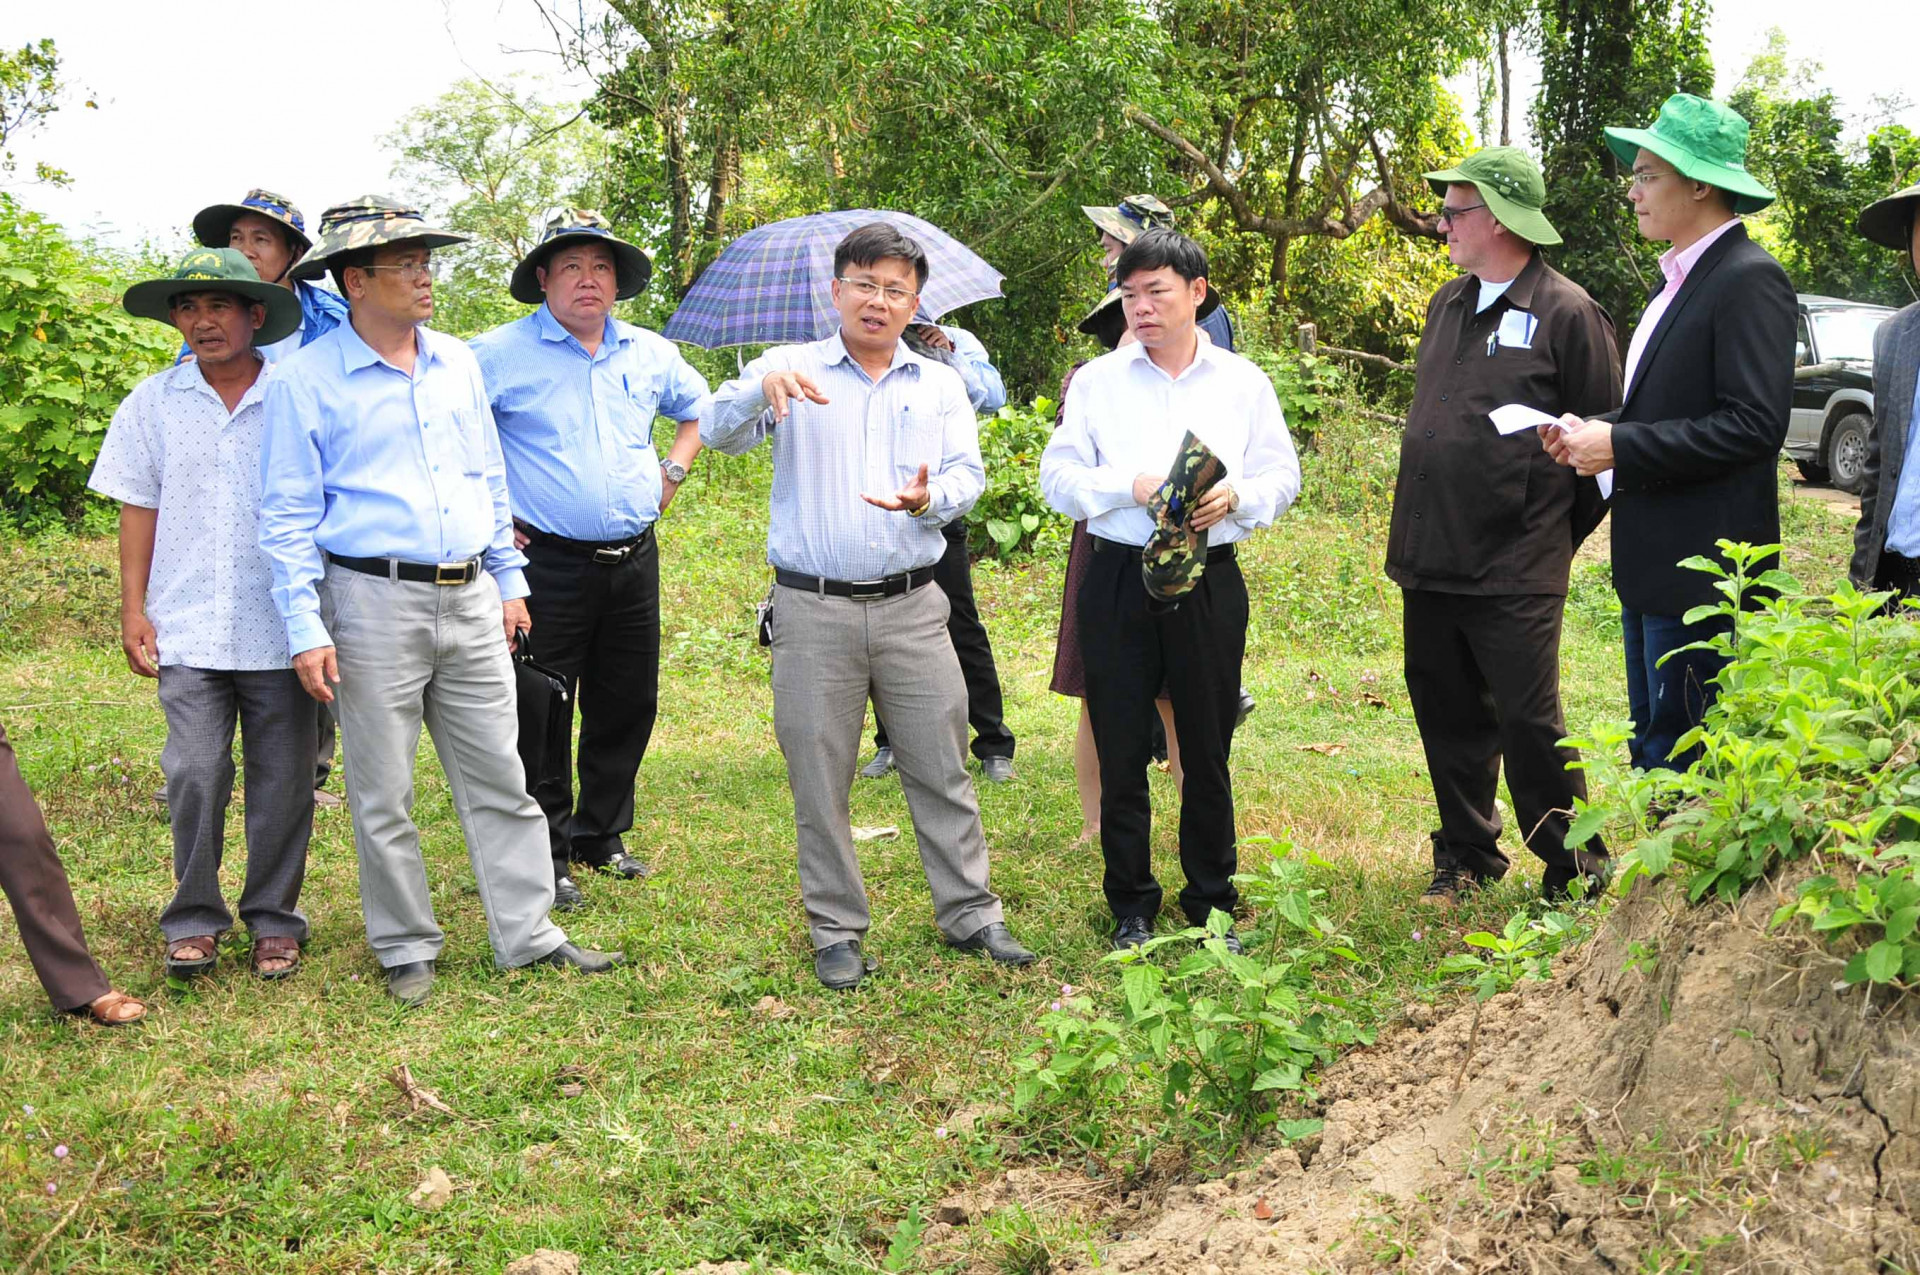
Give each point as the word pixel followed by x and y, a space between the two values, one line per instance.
pixel 1690 1093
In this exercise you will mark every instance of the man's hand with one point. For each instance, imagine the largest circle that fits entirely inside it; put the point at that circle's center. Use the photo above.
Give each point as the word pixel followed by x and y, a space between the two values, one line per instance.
pixel 782 388
pixel 1145 485
pixel 933 336
pixel 317 668
pixel 520 540
pixel 1586 446
pixel 911 497
pixel 667 488
pixel 1213 507
pixel 514 618
pixel 141 644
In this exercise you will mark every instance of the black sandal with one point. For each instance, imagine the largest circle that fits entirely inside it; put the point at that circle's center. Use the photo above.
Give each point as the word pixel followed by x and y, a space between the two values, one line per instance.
pixel 177 968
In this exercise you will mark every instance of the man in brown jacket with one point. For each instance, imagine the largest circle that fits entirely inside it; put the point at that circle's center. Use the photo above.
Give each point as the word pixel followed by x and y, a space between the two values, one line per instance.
pixel 1485 525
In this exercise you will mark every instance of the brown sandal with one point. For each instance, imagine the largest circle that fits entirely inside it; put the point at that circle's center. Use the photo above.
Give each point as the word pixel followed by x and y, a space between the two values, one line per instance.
pixel 276 947
pixel 190 966
pixel 106 1011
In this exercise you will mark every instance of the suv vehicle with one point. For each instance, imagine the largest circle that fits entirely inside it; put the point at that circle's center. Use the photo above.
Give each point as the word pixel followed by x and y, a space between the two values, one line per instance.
pixel 1833 407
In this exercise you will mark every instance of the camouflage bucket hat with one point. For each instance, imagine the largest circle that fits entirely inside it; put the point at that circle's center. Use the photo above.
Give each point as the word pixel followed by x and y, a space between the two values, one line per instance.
pixel 1889 222
pixel 368 222
pixel 632 268
pixel 217 270
pixel 213 225
pixel 1107 321
pixel 1132 215
pixel 1175 554
pixel 1703 140
pixel 1509 183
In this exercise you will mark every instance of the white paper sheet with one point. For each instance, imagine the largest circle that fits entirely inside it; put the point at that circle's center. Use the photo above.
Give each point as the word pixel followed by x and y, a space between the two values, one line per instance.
pixel 1516 330
pixel 1514 417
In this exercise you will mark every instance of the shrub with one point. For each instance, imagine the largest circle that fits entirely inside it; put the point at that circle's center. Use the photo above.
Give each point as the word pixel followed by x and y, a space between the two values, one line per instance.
pixel 1010 513
pixel 70 355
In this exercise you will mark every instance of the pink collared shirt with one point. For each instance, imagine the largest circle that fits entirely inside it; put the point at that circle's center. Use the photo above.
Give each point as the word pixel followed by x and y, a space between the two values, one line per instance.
pixel 1675 266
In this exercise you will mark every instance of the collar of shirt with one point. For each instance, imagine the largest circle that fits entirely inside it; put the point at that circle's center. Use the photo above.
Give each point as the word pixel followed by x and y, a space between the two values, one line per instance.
pixel 834 352
pixel 1519 293
pixel 185 378
pixel 1677 264
pixel 612 339
pixel 1204 355
pixel 356 353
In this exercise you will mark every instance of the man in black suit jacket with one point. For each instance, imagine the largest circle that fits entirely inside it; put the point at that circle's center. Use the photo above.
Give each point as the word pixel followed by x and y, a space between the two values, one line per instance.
pixel 1694 448
pixel 1886 542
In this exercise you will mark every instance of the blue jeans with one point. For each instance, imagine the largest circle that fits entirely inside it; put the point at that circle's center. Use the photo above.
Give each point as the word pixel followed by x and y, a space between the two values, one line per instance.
pixel 1667 701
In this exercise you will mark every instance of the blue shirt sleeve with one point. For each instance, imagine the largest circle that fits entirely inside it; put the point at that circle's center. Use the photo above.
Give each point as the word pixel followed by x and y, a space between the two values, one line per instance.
pixel 985 388
pixel 292 502
pixel 684 390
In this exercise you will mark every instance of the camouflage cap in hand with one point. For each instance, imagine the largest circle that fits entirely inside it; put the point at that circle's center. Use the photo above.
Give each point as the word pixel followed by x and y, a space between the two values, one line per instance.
pixel 632 268
pixel 1132 215
pixel 370 221
pixel 1175 554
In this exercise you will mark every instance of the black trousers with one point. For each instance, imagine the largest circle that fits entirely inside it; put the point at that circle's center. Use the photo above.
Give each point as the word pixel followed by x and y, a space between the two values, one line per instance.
pixel 1194 651
pixel 1484 677
pixel 598 626
pixel 954 575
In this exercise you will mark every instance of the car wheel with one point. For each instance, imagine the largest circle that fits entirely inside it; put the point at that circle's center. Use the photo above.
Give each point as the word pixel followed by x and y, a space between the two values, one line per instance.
pixel 1847 451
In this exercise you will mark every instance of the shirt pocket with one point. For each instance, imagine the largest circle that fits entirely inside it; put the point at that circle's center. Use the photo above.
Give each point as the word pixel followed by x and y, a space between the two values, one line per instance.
pixel 916 442
pixel 470 438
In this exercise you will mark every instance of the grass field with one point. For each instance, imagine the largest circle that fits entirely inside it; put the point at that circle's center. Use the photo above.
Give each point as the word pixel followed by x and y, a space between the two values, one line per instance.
pixel 248 1127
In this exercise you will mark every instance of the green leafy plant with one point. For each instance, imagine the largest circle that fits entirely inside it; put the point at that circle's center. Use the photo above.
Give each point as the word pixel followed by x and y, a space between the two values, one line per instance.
pixel 903 1246
pixel 1523 950
pixel 1011 512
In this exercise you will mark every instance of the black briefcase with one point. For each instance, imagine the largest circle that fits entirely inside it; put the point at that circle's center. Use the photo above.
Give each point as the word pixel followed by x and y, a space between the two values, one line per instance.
pixel 546 717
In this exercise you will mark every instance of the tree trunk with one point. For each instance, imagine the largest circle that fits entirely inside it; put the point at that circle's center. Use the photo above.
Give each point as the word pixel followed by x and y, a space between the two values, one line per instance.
pixel 1506 92
pixel 673 129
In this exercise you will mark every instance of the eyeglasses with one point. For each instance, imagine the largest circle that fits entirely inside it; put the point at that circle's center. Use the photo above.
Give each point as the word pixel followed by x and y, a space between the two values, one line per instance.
pixel 1455 214
pixel 1643 180
pixel 867 290
pixel 409 271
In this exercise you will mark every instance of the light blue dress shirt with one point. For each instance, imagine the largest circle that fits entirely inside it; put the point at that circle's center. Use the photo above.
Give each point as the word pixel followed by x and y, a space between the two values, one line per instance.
pixel 1903 521
pixel 985 390
pixel 576 430
pixel 363 460
pixel 871 437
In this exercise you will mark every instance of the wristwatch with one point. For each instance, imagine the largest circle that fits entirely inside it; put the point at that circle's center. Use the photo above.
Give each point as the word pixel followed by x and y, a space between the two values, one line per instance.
pixel 673 471
pixel 1233 499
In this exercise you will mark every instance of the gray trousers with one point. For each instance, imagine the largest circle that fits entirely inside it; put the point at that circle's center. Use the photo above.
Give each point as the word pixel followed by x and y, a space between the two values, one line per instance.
pixel 829 656
pixel 276 725
pixel 409 653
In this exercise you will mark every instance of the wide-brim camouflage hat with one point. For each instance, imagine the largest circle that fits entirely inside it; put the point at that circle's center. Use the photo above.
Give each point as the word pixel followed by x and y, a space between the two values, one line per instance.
pixel 1511 185
pixel 213 225
pixel 1107 321
pixel 1175 555
pixel 1703 140
pixel 217 270
pixel 1889 222
pixel 632 268
pixel 1125 220
pixel 370 221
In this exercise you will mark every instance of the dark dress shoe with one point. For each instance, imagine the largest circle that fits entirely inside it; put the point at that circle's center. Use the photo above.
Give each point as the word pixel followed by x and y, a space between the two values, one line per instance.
pixel 1244 709
pixel 584 959
pixel 840 965
pixel 998 770
pixel 567 896
pixel 410 984
pixel 624 866
pixel 1131 931
pixel 1232 939
pixel 877 768
pixel 996 941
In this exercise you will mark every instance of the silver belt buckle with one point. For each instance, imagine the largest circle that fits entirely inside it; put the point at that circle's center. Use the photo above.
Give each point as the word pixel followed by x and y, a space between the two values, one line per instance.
pixel 608 556
pixel 867 590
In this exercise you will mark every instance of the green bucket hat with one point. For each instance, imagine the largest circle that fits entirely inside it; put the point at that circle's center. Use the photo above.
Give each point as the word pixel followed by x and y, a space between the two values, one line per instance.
pixel 217 270
pixel 632 268
pixel 1889 221
pixel 213 225
pixel 1132 215
pixel 368 222
pixel 1510 183
pixel 1705 141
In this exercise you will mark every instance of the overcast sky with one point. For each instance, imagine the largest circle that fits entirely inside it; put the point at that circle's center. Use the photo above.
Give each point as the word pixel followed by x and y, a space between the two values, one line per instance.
pixel 165 141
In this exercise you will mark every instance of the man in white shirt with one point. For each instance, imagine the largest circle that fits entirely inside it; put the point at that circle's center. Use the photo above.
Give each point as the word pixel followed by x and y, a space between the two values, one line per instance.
pixel 183 458
pixel 1127 413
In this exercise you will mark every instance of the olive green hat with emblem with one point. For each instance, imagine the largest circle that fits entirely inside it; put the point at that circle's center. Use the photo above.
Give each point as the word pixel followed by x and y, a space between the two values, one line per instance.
pixel 1703 140
pixel 217 270
pixel 632 268
pixel 1889 222
pixel 370 221
pixel 1130 216
pixel 1510 183
pixel 213 225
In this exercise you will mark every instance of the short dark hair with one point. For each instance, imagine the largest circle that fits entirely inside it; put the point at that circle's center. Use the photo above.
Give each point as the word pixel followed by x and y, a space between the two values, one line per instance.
pixel 341 262
pixel 876 241
pixel 1162 246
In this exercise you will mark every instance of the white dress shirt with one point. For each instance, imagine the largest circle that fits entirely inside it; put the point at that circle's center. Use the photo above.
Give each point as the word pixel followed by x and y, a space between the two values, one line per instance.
pixel 174 447
pixel 1126 417
pixel 1675 266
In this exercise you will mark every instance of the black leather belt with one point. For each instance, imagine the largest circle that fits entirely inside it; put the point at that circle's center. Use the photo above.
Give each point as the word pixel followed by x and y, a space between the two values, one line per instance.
pixel 1219 553
pixel 442 573
pixel 606 553
pixel 858 590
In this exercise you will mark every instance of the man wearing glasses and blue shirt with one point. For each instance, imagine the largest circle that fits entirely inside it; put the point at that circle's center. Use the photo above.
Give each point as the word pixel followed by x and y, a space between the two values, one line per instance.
pixel 875 449
pixel 574 393
pixel 384 510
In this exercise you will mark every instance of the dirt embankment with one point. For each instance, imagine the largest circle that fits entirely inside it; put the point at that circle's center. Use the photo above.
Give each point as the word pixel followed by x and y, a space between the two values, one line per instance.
pixel 1689 1093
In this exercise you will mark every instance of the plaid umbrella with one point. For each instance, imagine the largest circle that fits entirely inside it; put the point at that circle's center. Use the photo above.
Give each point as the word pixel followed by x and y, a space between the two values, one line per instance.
pixel 769 286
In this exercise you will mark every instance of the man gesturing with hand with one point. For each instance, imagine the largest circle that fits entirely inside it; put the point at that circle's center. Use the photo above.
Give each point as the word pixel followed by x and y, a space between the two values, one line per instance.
pixel 875 449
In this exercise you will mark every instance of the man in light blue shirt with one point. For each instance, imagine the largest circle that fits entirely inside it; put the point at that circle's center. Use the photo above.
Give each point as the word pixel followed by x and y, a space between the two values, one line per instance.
pixel 574 393
pixel 384 510
pixel 875 450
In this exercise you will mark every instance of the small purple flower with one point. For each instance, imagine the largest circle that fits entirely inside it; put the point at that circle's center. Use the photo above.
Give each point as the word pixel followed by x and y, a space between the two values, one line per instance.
pixel 53 1188
pixel 1066 989
pixel 60 1152
pixel 1417 936
pixel 27 1107
pixel 1056 1007
pixel 940 1131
